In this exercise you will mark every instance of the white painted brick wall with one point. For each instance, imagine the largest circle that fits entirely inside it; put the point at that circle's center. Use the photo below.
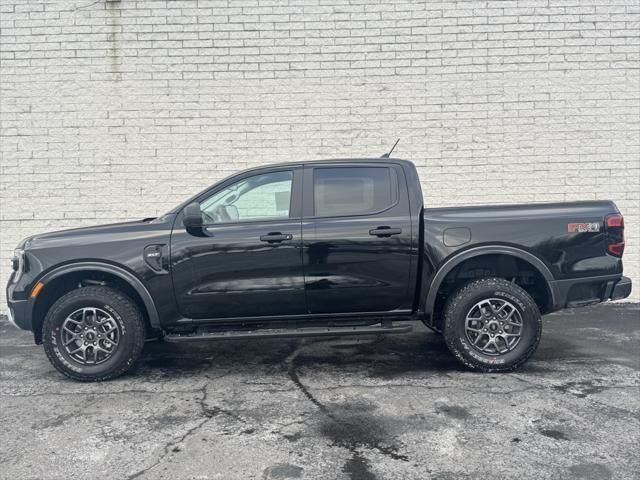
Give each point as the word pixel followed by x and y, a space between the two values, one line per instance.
pixel 114 110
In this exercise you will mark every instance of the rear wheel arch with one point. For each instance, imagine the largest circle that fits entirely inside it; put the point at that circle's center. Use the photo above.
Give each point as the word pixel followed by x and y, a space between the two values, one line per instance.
pixel 492 254
pixel 66 278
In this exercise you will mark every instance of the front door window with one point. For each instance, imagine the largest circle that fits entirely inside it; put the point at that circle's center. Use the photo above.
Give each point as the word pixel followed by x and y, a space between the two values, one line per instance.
pixel 260 197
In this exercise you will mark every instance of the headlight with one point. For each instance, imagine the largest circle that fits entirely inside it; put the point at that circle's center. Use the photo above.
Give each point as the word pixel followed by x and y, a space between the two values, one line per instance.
pixel 17 263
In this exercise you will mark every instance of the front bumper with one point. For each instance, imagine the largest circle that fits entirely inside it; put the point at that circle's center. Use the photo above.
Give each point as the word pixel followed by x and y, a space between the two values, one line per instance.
pixel 10 318
pixel 19 314
pixel 579 292
pixel 20 306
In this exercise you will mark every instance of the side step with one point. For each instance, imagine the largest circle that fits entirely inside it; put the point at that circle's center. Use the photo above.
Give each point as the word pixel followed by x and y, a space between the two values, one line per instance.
pixel 204 334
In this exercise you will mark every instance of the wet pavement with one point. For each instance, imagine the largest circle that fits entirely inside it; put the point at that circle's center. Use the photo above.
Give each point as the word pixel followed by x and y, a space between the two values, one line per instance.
pixel 360 408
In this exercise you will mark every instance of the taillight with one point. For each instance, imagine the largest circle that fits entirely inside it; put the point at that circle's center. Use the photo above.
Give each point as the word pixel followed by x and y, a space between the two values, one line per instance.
pixel 616 249
pixel 615 221
pixel 615 231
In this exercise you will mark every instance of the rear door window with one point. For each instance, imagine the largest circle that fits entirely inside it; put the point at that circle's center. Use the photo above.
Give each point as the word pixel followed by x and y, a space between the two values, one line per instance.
pixel 347 191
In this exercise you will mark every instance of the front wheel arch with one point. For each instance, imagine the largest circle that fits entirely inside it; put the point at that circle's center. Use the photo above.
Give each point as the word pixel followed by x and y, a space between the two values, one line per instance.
pixel 79 339
pixel 63 279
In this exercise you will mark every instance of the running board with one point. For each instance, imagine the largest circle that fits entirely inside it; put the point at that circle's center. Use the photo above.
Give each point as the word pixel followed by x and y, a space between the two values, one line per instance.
pixel 203 334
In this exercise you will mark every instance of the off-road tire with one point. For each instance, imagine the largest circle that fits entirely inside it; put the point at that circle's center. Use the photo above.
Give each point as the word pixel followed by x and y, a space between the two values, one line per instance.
pixel 460 304
pixel 122 309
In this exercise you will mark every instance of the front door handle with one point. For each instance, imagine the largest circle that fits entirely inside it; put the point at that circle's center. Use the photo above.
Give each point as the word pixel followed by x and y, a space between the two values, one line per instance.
pixel 275 237
pixel 385 231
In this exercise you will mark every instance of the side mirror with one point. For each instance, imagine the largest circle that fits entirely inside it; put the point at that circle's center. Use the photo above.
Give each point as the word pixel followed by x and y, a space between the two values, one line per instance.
pixel 192 219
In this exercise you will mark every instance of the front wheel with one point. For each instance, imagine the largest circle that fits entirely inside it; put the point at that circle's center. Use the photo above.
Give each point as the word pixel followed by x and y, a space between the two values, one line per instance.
pixel 93 334
pixel 492 325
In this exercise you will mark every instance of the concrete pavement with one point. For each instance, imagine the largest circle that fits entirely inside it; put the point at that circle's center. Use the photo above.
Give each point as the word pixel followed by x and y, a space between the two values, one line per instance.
pixel 395 407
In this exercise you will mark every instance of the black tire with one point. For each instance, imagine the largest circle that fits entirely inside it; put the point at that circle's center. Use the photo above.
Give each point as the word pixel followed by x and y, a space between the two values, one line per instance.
pixel 462 303
pixel 122 311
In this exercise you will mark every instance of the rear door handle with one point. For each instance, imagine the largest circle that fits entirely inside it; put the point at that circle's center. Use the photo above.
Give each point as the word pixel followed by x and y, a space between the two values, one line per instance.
pixel 385 231
pixel 275 237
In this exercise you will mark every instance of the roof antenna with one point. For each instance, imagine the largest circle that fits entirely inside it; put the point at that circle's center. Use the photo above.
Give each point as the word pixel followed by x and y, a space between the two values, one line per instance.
pixel 387 155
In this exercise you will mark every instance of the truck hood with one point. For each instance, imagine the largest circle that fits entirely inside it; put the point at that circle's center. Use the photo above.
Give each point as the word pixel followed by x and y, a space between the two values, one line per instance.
pixel 93 234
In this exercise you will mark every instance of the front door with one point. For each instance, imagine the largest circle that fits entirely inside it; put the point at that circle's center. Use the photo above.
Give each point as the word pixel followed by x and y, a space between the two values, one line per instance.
pixel 248 263
pixel 357 239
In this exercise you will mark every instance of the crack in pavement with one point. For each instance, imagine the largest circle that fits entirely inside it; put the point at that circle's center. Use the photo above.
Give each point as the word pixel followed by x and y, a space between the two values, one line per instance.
pixel 167 449
pixel 430 387
pixel 293 375
pixel 207 412
pixel 60 419
pixel 211 412
pixel 69 394
pixel 345 433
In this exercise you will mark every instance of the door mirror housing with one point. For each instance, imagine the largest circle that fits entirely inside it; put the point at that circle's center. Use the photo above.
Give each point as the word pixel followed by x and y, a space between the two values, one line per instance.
pixel 192 219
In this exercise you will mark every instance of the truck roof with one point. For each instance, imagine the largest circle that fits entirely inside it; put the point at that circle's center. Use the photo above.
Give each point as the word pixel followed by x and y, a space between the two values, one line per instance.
pixel 335 160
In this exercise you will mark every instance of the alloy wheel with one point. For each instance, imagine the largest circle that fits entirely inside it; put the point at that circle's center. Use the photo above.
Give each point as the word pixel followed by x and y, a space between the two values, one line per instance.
pixel 90 336
pixel 493 326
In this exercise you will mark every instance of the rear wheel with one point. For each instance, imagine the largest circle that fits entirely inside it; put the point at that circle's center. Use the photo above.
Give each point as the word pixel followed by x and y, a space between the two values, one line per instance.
pixel 93 334
pixel 492 325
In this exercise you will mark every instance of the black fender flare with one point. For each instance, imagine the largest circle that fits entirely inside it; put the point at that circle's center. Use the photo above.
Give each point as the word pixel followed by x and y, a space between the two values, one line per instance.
pixel 127 276
pixel 456 260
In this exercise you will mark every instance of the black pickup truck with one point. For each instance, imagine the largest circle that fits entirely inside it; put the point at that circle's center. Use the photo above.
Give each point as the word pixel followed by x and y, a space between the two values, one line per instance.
pixel 338 247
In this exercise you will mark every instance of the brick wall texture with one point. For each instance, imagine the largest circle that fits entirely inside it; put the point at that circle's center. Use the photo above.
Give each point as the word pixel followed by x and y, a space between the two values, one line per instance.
pixel 115 110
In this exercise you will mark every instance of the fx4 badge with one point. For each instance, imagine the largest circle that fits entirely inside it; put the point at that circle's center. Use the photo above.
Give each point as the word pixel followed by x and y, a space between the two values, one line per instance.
pixel 583 227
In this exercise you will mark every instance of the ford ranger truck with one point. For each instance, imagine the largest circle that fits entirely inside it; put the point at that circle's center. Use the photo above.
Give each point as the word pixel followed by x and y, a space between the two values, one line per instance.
pixel 340 247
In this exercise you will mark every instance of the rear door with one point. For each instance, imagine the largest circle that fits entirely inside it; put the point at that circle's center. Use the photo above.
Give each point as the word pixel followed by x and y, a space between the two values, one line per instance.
pixel 356 232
